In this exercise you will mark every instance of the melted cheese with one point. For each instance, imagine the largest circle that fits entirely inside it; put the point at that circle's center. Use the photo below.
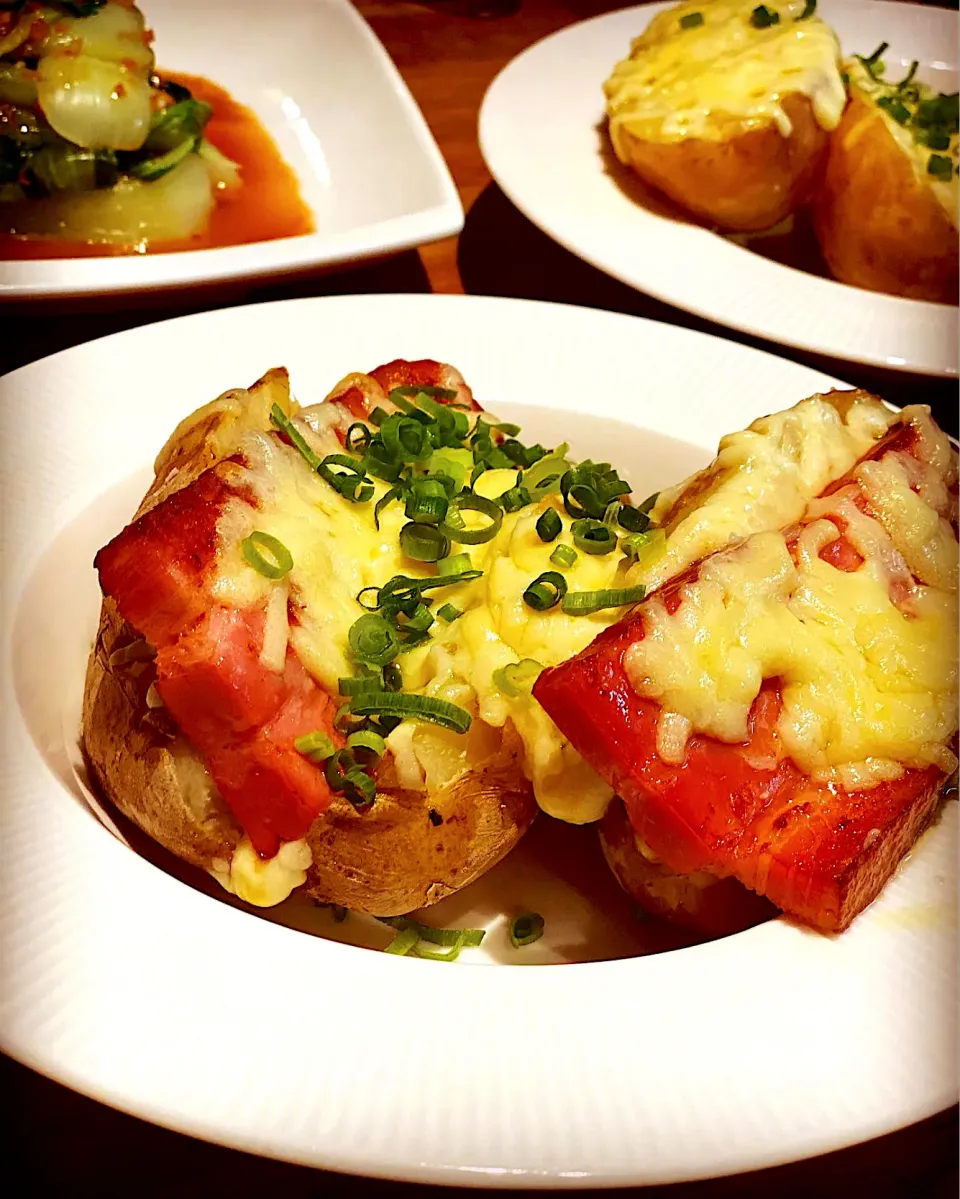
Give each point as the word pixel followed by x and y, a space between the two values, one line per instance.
pixel 694 82
pixel 264 882
pixel 946 191
pixel 867 659
pixel 764 476
pixel 337 552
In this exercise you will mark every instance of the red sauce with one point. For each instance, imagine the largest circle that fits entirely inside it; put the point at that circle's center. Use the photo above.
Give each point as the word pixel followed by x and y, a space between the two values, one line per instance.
pixel 266 206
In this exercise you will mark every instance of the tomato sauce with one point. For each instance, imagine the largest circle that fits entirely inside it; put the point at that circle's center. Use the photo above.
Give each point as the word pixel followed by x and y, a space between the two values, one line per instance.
pixel 266 206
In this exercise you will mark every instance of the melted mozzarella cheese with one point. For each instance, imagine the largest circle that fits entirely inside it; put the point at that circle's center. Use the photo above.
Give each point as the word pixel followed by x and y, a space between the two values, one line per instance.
pixel 337 552
pixel 683 82
pixel 764 476
pixel 264 882
pixel 867 659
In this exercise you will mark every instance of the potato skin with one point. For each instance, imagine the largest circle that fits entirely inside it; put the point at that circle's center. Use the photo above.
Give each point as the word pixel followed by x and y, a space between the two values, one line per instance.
pixel 750 179
pixel 718 907
pixel 880 227
pixel 408 850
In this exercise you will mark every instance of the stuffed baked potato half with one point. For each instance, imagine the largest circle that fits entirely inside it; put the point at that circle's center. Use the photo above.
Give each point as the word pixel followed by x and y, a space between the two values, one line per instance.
pixel 407 848
pixel 726 107
pixel 886 214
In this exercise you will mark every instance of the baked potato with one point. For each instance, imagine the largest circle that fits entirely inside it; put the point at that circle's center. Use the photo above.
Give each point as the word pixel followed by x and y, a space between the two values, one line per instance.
pixel 886 213
pixel 407 849
pixel 726 107
pixel 699 900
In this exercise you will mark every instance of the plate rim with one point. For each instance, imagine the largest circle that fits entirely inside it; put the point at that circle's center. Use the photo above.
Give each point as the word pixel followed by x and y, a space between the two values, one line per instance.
pixel 275 257
pixel 562 233
pixel 162 888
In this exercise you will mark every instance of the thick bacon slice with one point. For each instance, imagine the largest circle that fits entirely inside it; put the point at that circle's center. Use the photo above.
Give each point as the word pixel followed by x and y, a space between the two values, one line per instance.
pixel 241 716
pixel 742 810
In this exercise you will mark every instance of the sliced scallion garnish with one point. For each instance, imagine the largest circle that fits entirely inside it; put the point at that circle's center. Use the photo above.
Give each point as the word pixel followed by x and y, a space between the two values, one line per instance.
pixel 691 20
pixel 940 166
pixel 517 678
pixel 424 543
pixel 266 554
pixel 316 745
pixel 549 525
pixel 546 591
pixel 583 603
pixel 593 537
pixel 373 640
pixel 414 707
pixel 526 929
pixel 448 613
pixel 403 942
pixel 563 555
pixel 763 17
pixel 455 527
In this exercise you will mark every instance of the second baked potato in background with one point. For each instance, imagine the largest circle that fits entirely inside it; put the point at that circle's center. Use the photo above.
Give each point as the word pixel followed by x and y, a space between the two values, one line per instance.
pixel 726 107
pixel 886 214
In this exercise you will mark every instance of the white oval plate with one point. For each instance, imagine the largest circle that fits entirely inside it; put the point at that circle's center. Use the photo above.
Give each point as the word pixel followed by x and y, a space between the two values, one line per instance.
pixel 148 994
pixel 541 137
pixel 327 92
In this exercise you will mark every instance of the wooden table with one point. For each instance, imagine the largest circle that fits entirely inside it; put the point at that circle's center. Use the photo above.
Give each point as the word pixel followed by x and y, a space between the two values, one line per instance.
pixel 69 1144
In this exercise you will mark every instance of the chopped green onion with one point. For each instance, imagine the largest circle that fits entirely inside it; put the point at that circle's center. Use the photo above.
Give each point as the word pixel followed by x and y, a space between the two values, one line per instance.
pixel 358 683
pixel 373 640
pixel 359 788
pixel 280 420
pixel 403 942
pixel 632 519
pixel 406 439
pixel 266 554
pixel 692 20
pixel 546 591
pixel 426 389
pixel 514 498
pixel 371 743
pixel 642 545
pixel 549 525
pixel 316 745
pixel 472 937
pixel 454 565
pixel 897 110
pixel 440 955
pixel 357 438
pixel 517 678
pixel 455 526
pixel 389 497
pixel 933 139
pixel 420 620
pixel 939 166
pixel 401 589
pixel 649 503
pixel 427 501
pixel 872 65
pixel 424 543
pixel 526 929
pixel 414 707
pixel 763 17
pixel 564 555
pixel 908 78
pixel 593 537
pixel 448 613
pixel 455 462
pixel 583 603
pixel 808 10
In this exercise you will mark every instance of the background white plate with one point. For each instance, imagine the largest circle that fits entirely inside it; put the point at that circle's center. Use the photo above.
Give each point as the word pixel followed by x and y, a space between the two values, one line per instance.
pixel 130 986
pixel 540 135
pixel 328 93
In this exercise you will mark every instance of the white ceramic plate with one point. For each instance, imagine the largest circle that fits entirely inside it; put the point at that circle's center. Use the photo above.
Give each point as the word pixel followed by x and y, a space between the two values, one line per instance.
pixel 149 994
pixel 328 93
pixel 540 134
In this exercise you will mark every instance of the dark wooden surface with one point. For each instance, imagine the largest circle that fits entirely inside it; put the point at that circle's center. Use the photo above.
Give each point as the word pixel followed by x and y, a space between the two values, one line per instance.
pixel 63 1143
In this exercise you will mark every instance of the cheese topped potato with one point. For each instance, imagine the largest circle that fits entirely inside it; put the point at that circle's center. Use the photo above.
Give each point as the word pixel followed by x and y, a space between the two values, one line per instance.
pixel 887 214
pixel 726 105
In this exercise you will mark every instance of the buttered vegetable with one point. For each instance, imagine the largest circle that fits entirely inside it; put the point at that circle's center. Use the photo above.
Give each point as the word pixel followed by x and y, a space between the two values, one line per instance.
pixel 700 66
pixel 866 658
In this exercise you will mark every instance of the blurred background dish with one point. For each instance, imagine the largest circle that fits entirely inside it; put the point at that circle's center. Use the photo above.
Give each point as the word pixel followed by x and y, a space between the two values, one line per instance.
pixel 336 161
pixel 556 165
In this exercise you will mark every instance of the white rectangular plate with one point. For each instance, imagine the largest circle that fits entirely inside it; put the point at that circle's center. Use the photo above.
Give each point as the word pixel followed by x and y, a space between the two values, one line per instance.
pixel 328 93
